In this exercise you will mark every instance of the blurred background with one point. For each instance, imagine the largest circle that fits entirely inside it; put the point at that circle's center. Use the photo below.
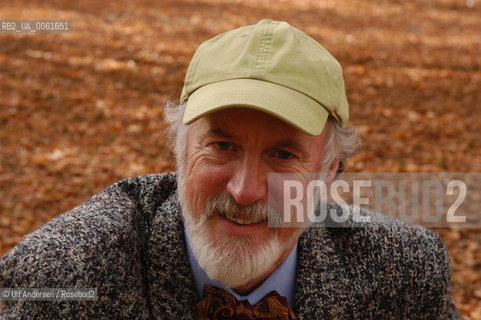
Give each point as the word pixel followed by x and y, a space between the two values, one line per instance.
pixel 81 110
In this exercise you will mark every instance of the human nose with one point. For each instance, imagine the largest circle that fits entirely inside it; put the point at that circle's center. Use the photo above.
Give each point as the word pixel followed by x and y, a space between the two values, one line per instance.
pixel 248 183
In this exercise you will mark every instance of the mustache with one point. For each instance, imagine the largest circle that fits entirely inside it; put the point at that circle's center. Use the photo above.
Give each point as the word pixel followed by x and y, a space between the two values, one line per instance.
pixel 225 205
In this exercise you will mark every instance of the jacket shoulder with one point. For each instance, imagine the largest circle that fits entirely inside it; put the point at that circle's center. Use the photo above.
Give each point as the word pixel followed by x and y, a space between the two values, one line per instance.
pixel 98 244
pixel 394 268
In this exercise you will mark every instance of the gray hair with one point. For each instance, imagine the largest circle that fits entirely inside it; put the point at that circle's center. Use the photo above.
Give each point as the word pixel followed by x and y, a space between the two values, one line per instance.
pixel 341 142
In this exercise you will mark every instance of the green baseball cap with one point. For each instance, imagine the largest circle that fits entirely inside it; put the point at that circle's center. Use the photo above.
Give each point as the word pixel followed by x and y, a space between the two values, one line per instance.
pixel 272 67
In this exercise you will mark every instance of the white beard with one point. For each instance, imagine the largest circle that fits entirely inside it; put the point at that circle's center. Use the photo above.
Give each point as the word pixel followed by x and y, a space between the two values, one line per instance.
pixel 234 261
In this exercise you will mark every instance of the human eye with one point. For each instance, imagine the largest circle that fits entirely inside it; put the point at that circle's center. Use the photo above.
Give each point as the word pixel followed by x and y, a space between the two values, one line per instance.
pixel 223 146
pixel 283 154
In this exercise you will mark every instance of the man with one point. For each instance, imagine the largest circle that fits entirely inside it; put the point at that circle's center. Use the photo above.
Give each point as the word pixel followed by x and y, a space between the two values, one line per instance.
pixel 197 244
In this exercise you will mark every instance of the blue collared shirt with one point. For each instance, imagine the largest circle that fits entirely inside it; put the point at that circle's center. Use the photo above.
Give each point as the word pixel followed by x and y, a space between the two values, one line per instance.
pixel 282 280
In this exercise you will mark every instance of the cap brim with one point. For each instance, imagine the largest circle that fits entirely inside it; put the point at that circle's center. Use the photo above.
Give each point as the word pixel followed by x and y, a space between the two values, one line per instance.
pixel 284 103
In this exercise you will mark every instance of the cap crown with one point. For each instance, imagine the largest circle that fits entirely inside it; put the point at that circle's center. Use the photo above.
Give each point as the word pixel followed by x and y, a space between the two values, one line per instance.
pixel 275 52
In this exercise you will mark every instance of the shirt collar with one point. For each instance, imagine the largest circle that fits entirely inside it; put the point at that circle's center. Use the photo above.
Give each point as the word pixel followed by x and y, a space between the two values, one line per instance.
pixel 282 280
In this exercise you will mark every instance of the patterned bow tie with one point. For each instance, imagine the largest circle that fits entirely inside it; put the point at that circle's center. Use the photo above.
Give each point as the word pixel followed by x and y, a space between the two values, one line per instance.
pixel 218 304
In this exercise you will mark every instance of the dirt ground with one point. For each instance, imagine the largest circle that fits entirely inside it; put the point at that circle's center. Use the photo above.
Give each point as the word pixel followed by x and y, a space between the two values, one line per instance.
pixel 81 110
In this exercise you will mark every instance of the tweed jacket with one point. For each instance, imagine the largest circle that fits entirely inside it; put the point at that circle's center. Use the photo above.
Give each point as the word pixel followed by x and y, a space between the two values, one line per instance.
pixel 128 242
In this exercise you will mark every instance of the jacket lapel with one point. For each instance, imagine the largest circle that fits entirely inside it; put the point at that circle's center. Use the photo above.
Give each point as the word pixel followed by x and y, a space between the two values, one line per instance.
pixel 170 283
pixel 323 290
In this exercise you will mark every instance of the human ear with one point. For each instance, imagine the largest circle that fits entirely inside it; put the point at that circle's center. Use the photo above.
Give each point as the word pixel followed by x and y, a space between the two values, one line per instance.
pixel 335 169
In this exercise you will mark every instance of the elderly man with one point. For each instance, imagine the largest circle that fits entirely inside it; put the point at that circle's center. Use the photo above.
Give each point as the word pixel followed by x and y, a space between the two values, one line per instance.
pixel 197 244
